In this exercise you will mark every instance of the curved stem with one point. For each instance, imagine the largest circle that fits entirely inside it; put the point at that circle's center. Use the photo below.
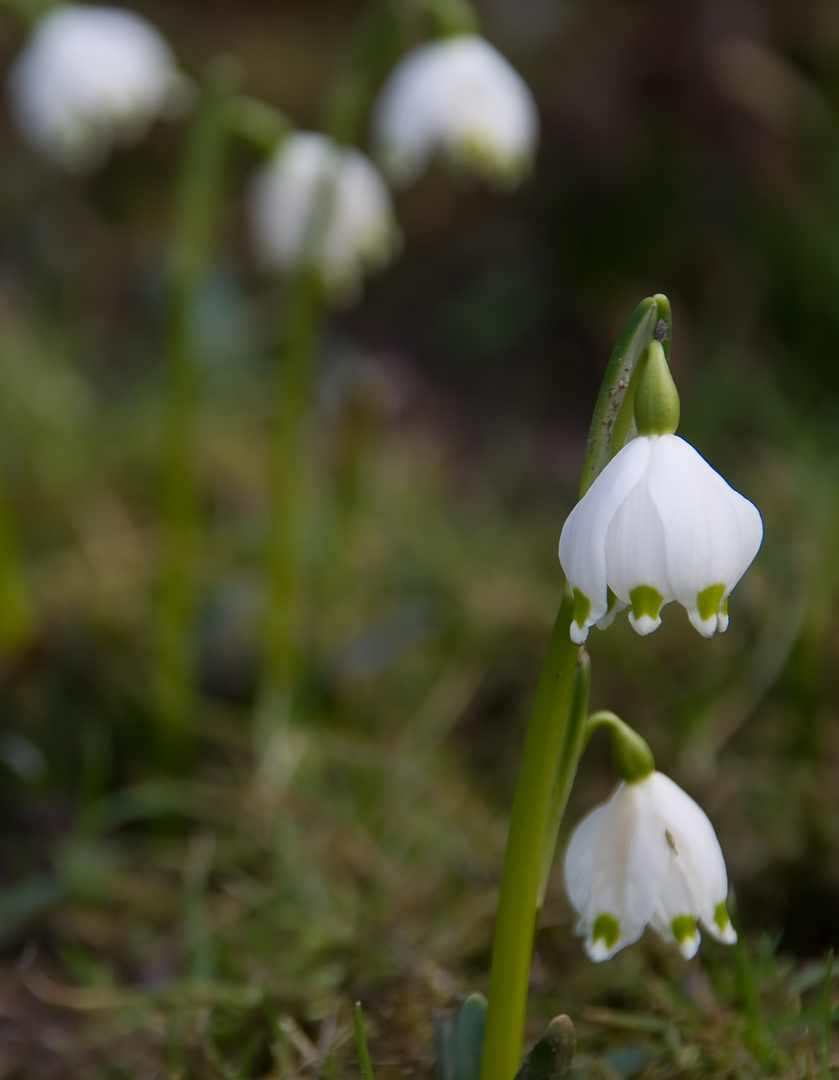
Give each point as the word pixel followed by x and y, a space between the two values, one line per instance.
pixel 519 900
pixel 631 753
pixel 199 190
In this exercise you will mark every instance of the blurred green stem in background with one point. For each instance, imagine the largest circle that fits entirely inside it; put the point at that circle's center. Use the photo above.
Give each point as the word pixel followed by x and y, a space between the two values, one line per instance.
pixel 557 731
pixel 16 618
pixel 284 616
pixel 448 18
pixel 372 52
pixel 30 10
pixel 196 212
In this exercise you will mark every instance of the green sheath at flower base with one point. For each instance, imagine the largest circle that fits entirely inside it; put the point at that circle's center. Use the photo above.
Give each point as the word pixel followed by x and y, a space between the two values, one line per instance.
pixel 656 399
pixel 612 420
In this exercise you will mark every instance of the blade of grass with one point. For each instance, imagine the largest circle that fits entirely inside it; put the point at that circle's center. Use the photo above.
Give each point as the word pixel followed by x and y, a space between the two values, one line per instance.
pixel 361 1043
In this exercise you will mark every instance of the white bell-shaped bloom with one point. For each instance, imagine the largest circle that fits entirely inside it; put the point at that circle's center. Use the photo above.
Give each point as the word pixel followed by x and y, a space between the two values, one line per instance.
pixel 91 76
pixel 460 98
pixel 647 857
pixel 658 524
pixel 351 232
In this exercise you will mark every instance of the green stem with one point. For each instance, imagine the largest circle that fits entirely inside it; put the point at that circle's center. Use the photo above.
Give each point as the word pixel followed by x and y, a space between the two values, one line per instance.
pixel 450 18
pixel 30 11
pixel 575 736
pixel 518 905
pixel 282 628
pixel 198 198
pixel 631 753
pixel 556 735
pixel 15 608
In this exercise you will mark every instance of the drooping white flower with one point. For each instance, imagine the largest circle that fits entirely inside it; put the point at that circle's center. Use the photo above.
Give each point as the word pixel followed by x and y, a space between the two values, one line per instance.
pixel 658 524
pixel 354 229
pixel 460 98
pixel 89 77
pixel 647 857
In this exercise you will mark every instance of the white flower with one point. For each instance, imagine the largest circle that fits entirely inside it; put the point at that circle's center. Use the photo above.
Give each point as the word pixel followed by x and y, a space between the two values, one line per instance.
pixel 658 524
pixel 356 231
pixel 649 856
pixel 90 76
pixel 459 97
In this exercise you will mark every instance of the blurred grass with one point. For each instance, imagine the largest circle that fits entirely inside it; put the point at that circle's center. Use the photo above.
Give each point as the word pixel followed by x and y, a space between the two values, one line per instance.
pixel 203 924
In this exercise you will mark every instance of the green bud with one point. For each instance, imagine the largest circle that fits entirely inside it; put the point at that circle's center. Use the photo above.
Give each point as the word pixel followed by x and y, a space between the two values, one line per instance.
pixel 656 399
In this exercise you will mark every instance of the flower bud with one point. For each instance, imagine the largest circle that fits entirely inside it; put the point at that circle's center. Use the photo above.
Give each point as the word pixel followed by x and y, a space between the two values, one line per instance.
pixel 656 399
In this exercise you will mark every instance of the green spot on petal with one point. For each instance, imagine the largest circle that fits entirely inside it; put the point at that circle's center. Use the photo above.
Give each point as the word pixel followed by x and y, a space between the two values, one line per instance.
pixel 709 600
pixel 724 608
pixel 582 607
pixel 646 600
pixel 684 927
pixel 721 917
pixel 606 929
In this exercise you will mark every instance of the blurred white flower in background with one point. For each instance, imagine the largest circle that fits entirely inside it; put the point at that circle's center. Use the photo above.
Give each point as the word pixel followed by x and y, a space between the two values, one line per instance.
pixel 649 856
pixel 459 98
pixel 89 77
pixel 352 233
pixel 658 524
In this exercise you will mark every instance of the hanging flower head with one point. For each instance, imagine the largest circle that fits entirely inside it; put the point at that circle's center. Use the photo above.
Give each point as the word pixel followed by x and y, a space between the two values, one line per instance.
pixel 91 76
pixel 647 857
pixel 658 524
pixel 356 231
pixel 460 98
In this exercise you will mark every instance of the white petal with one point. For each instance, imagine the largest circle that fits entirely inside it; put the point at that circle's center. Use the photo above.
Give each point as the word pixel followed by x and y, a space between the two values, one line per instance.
pixel 90 75
pixel 460 97
pixel 663 924
pixel 357 232
pixel 635 545
pixel 582 543
pixel 712 533
pixel 696 882
pixel 615 865
pixel 617 607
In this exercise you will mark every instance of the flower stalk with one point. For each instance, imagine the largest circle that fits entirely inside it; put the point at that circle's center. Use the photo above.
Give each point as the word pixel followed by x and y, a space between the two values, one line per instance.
pixel 283 618
pixel 16 615
pixel 198 197
pixel 556 736
pixel 534 810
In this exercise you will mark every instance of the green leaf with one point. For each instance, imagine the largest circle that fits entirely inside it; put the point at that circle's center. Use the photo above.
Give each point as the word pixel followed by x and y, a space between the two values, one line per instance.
pixel 550 1058
pixel 459 1040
